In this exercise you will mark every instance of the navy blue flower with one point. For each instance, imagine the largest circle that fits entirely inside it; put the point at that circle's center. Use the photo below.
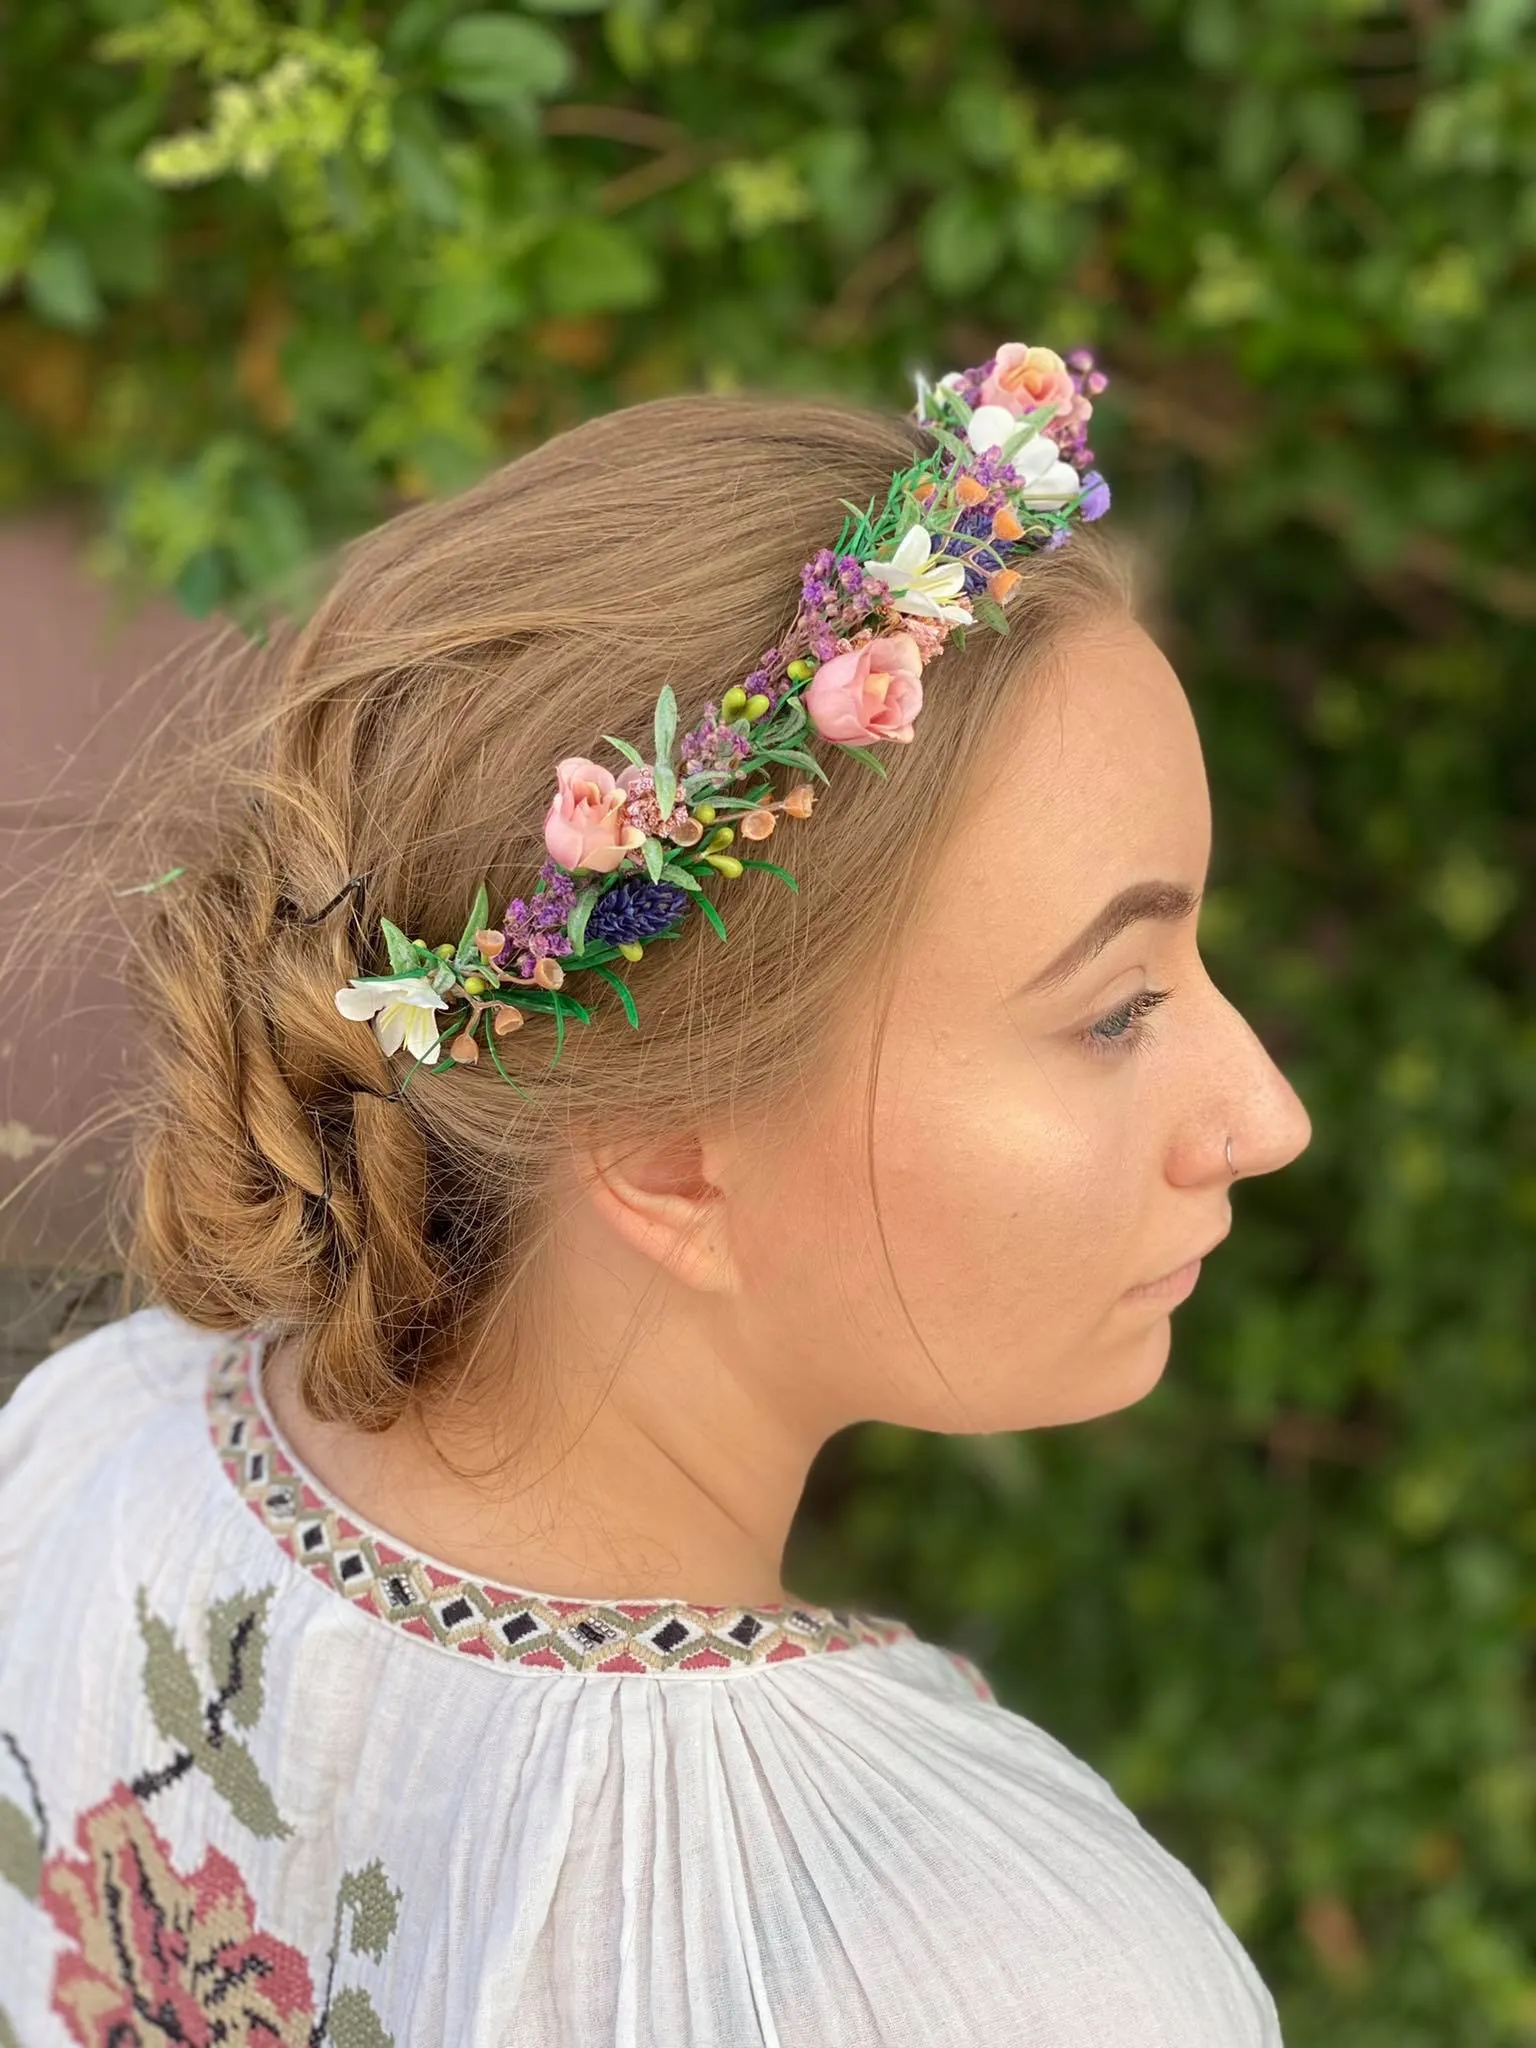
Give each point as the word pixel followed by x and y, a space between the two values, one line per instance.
pixel 635 910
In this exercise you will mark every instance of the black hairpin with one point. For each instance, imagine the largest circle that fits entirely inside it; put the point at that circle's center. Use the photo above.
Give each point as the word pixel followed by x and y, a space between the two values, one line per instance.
pixel 354 887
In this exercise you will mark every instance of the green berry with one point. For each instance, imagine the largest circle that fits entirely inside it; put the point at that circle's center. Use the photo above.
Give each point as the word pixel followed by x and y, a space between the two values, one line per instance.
pixel 734 702
pixel 757 705
pixel 801 671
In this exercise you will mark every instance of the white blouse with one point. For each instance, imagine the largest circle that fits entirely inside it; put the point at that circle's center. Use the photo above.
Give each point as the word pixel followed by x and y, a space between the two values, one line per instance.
pixel 268 1777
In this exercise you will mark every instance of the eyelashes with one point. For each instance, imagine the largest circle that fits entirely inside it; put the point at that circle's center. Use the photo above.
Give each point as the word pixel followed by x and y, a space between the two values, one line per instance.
pixel 1124 1030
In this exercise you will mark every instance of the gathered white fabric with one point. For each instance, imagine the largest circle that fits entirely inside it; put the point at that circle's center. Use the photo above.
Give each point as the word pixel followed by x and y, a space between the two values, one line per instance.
pixel 266 1776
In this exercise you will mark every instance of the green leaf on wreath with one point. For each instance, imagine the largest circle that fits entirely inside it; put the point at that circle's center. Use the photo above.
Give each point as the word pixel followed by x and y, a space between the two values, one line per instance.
pixel 402 954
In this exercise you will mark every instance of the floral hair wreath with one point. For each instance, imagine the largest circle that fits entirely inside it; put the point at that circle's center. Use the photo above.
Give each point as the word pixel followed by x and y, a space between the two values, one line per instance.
pixel 631 854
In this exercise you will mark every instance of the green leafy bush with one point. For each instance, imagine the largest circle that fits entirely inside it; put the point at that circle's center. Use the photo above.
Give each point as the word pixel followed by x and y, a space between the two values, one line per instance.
pixel 269 273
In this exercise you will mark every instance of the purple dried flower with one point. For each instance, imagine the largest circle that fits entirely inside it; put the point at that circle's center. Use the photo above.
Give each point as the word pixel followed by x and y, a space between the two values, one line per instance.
pixel 714 746
pixel 1095 496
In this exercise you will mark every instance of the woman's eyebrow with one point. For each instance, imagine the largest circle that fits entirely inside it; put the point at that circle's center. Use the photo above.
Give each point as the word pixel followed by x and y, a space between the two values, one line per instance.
pixel 1165 901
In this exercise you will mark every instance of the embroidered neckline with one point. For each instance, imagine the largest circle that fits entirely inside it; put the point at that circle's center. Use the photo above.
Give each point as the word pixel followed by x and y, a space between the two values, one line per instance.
pixel 422 1597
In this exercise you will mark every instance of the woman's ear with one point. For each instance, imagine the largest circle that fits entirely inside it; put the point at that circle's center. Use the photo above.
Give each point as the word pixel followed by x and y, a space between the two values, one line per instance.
pixel 662 1198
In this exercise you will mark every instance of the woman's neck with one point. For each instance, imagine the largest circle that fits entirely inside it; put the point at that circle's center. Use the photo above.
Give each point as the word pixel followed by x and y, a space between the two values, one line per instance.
pixel 669 1475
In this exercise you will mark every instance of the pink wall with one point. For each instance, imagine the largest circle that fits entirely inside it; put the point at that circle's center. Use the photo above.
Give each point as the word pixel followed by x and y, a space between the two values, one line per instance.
pixel 76 693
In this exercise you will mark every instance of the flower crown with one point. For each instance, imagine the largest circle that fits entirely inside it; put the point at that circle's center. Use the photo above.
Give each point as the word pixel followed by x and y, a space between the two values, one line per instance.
pixel 631 854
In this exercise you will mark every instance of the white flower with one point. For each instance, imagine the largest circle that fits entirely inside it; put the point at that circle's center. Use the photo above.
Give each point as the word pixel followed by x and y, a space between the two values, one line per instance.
pixel 1047 482
pixel 922 588
pixel 399 1008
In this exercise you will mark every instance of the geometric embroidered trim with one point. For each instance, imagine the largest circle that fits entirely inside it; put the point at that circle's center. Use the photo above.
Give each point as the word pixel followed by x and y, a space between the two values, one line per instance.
pixel 496 1623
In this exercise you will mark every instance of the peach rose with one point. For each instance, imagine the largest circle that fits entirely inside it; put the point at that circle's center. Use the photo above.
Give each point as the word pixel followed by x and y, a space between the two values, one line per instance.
pixel 585 826
pixel 1023 378
pixel 871 693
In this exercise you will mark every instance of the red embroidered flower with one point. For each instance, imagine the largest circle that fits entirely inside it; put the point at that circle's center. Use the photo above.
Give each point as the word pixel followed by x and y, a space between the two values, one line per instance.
pixel 158 1956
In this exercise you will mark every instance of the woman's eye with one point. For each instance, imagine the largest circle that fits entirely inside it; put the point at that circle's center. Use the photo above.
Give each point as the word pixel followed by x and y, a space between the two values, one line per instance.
pixel 1126 1028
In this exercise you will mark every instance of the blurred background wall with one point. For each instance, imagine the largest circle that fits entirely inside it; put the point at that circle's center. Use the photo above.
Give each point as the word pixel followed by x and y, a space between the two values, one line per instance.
pixel 269 272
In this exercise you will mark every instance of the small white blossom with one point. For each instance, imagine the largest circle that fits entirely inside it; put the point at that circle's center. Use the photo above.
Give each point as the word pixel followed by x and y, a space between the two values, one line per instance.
pixel 1047 482
pixel 921 587
pixel 400 1009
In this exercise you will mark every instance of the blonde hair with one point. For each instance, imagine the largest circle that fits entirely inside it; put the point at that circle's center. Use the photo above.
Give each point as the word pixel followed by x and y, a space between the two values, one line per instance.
pixel 407 734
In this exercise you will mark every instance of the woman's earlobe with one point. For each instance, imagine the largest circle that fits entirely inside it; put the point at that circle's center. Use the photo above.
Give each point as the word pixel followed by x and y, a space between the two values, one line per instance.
pixel 662 1201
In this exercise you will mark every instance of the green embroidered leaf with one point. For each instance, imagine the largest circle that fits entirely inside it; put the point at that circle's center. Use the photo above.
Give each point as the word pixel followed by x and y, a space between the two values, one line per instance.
pixel 666 724
pixel 479 917
pixel 232 1770
pixel 631 754
pixel 373 1903
pixel 870 760
pixel 772 868
pixel 666 788
pixel 21 1853
pixel 239 1624
pixel 671 872
pixel 170 1684
pixel 655 858
pixel 402 954
pixel 576 923
pixel 354 2023
pixel 616 983
pixel 713 915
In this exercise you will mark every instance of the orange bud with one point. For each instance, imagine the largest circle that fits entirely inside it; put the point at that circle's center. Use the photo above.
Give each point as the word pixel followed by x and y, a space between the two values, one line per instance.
pixel 925 490
pixel 686 832
pixel 969 492
pixel 464 1050
pixel 1000 582
pixel 1005 524
pixel 798 803
pixel 489 944
pixel 548 973
pixel 756 824
pixel 507 1019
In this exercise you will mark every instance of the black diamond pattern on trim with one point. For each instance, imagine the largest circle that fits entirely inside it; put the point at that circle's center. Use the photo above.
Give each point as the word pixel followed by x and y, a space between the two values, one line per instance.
pixel 399 1591
pixel 352 1565
pixel 593 1632
pixel 518 1626
pixel 669 1635
pixel 313 1537
pixel 746 1631
pixel 455 1612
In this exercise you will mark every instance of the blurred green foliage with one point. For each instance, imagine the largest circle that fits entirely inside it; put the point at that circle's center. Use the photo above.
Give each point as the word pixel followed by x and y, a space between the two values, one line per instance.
pixel 266 274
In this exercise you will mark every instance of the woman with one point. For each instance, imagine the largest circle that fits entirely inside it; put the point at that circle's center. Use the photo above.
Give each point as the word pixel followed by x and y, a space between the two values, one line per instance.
pixel 475 1291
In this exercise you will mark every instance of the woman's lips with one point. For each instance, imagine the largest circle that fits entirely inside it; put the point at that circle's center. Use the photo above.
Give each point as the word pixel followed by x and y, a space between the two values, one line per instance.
pixel 1172 1287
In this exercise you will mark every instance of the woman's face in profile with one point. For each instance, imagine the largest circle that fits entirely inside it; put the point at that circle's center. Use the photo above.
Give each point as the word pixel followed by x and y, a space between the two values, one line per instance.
pixel 1044 1142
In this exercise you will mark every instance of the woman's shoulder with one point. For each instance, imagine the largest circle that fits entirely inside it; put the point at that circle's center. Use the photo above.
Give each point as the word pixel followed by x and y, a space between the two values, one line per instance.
pixel 1014 1845
pixel 85 1402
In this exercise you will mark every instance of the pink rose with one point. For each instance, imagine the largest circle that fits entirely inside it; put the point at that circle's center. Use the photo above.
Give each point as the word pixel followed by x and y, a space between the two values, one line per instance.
pixel 1023 378
pixel 585 826
pixel 870 693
